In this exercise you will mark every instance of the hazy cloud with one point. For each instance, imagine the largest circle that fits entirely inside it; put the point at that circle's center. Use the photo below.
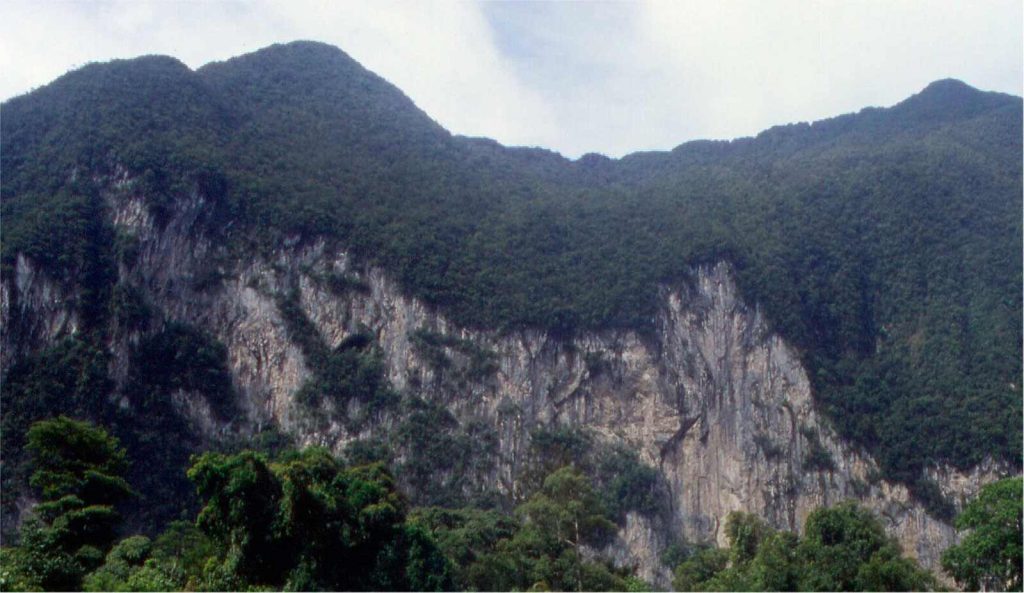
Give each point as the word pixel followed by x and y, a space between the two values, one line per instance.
pixel 575 77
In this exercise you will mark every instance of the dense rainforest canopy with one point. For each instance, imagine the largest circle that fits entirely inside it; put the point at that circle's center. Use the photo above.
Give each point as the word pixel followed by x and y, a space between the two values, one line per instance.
pixel 884 245
pixel 308 521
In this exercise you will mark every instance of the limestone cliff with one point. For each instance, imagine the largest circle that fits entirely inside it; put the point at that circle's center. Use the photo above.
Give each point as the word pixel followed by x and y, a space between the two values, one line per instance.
pixel 712 398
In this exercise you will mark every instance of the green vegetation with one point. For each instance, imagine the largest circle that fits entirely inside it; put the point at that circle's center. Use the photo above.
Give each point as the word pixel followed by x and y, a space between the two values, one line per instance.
pixel 182 357
pixel 306 523
pixel 843 548
pixel 78 473
pixel 351 371
pixel 990 556
pixel 625 483
pixel 770 449
pixel 475 363
pixel 302 520
pixel 439 461
pixel 541 549
pixel 67 234
pixel 337 283
pixel 71 377
pixel 298 521
pixel 468 537
pixel 558 521
pixel 884 245
pixel 177 360
pixel 816 457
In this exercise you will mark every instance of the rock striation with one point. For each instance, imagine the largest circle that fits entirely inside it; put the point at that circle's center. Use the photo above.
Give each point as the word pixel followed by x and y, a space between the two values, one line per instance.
pixel 712 398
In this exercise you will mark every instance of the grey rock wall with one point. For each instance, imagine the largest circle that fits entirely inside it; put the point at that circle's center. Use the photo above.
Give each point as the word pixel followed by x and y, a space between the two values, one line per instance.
pixel 716 402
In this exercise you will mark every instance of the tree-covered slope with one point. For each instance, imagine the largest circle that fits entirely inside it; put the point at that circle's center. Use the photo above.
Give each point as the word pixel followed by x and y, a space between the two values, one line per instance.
pixel 885 245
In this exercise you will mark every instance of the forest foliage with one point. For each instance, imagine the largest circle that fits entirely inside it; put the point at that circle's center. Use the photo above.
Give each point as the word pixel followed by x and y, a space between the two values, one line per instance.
pixel 990 556
pixel 884 245
pixel 842 548
pixel 305 520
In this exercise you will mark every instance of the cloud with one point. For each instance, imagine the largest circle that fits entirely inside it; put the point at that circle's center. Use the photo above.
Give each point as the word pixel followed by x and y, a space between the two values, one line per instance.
pixel 575 77
pixel 758 63
pixel 439 53
pixel 624 77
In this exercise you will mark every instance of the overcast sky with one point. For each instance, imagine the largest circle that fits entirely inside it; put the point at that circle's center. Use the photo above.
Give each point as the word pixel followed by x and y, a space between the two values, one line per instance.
pixel 576 77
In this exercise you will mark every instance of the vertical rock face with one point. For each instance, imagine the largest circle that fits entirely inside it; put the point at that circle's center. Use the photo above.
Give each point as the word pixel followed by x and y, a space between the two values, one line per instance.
pixel 35 311
pixel 712 398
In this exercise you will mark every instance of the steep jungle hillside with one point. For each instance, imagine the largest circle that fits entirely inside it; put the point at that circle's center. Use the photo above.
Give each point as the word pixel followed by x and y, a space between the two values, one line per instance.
pixel 884 245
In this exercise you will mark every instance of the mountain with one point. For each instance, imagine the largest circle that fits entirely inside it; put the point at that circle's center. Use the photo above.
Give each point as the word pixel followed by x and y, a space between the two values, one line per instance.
pixel 283 245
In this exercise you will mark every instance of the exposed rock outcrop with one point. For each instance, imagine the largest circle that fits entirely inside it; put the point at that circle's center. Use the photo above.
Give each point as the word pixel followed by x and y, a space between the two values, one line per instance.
pixel 714 400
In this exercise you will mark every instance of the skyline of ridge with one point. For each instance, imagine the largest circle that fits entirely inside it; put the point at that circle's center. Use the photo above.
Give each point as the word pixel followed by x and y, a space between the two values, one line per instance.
pixel 938 87
pixel 575 77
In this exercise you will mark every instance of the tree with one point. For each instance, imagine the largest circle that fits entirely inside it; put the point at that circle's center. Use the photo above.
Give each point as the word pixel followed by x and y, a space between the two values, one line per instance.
pixel 78 472
pixel 183 548
pixel 241 499
pixel 304 522
pixel 467 536
pixel 544 549
pixel 691 573
pixel 558 521
pixel 775 567
pixel 123 559
pixel 174 561
pixel 886 570
pixel 845 548
pixel 989 557
pixel 745 532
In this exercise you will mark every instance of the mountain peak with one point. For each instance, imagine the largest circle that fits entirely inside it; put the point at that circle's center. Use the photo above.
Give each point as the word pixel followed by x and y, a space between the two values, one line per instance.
pixel 946 85
pixel 948 99
pixel 306 56
pixel 303 49
pixel 949 90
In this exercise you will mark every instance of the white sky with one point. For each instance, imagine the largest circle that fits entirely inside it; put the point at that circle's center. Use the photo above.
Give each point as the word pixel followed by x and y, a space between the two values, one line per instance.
pixel 576 77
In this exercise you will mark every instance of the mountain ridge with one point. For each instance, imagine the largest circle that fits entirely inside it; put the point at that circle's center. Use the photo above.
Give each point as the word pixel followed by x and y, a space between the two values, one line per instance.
pixel 883 246
pixel 947 95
